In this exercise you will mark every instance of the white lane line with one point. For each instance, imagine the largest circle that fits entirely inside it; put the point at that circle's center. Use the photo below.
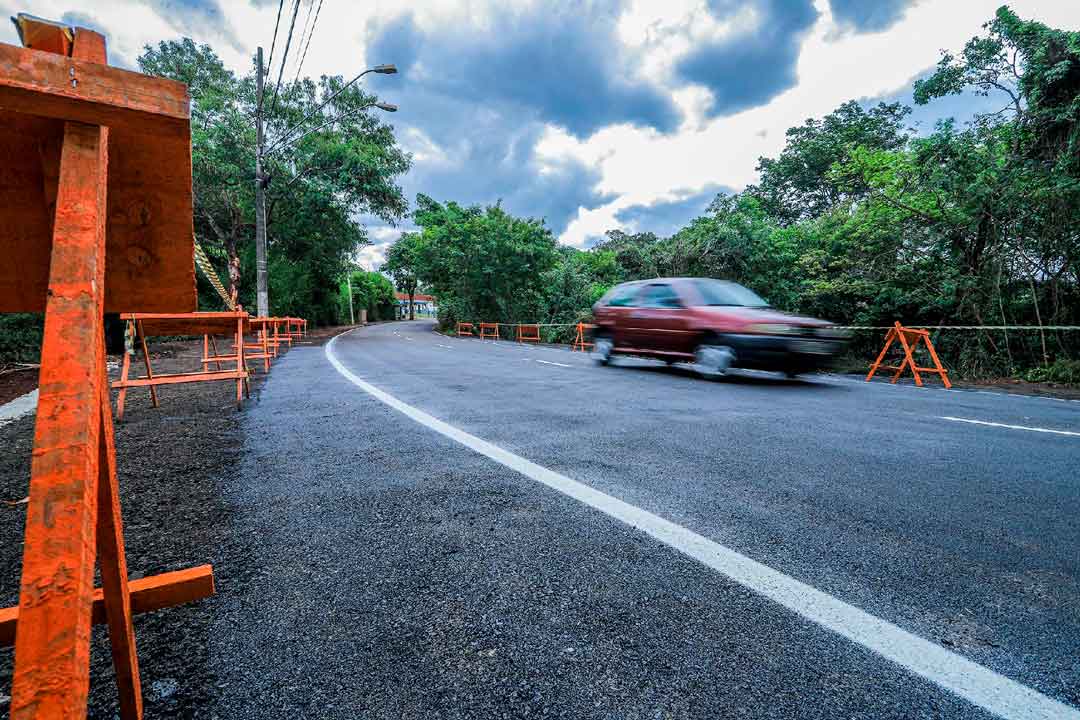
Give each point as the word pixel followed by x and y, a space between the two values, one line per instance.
pixel 955 673
pixel 18 407
pixel 1011 427
pixel 444 346
pixel 548 362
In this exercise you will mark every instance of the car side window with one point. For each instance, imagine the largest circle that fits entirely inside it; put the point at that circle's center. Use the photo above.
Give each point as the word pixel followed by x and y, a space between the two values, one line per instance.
pixel 661 295
pixel 624 296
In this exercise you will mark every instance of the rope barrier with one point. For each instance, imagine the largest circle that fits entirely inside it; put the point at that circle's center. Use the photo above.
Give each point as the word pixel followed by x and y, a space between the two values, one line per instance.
pixel 960 327
pixel 211 276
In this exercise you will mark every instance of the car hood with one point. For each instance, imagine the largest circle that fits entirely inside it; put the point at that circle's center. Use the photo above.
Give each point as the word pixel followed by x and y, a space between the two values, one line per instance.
pixel 761 315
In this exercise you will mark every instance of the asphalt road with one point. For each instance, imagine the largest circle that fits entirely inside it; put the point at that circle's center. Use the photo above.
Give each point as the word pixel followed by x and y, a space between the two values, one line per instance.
pixel 399 573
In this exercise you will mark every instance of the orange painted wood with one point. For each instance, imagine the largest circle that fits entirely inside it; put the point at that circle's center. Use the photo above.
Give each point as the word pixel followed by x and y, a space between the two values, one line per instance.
pixel 115 593
pixel 464 328
pixel 489 330
pixel 149 201
pixel 52 644
pixel 579 339
pixel 39 82
pixel 900 334
pixel 528 333
pixel 156 324
pixel 147 594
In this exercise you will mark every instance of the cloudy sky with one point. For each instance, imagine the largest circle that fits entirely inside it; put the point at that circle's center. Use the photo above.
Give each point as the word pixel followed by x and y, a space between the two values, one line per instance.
pixel 594 115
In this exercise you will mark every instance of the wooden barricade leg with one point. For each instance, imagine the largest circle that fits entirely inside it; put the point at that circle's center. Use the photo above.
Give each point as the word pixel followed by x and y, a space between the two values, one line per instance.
pixel 909 359
pixel 125 369
pixel 890 337
pixel 52 640
pixel 146 361
pixel 942 372
pixel 213 346
pixel 114 576
pixel 265 349
pixel 206 352
pixel 241 383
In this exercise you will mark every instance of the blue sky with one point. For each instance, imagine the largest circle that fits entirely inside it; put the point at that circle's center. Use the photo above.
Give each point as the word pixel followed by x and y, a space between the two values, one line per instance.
pixel 593 114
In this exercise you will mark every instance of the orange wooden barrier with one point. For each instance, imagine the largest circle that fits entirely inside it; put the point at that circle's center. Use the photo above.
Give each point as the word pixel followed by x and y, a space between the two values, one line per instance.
pixel 143 325
pixel 70 201
pixel 528 333
pixel 909 340
pixel 579 339
pixel 258 350
pixel 489 331
pixel 464 328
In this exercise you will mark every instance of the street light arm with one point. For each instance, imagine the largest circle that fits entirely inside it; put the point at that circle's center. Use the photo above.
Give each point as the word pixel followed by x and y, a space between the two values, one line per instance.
pixel 382 69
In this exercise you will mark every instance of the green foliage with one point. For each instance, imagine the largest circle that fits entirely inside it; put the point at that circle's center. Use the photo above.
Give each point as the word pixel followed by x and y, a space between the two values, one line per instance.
pixel 1060 371
pixel 482 263
pixel 370 290
pixel 401 264
pixel 20 337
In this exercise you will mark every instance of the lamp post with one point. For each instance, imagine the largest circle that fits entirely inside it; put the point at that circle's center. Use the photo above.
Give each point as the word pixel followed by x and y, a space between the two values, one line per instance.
pixel 261 180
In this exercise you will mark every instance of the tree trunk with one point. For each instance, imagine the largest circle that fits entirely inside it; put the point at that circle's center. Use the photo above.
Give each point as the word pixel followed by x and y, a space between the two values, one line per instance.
pixel 412 305
pixel 234 268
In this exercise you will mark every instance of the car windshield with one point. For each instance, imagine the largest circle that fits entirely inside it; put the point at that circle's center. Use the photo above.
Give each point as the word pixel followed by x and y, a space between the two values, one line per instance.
pixel 729 294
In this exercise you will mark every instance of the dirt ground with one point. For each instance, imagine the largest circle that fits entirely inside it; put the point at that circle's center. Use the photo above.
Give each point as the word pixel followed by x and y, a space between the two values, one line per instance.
pixel 16 381
pixel 171 461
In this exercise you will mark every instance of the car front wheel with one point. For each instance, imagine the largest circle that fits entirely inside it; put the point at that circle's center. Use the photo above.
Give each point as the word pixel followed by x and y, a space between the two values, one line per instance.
pixel 713 361
pixel 602 347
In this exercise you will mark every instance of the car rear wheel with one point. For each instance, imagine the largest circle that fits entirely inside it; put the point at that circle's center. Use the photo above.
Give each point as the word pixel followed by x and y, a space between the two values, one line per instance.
pixel 713 360
pixel 602 347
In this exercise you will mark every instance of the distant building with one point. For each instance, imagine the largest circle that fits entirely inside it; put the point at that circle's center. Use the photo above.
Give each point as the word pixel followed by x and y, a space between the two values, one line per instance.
pixel 424 305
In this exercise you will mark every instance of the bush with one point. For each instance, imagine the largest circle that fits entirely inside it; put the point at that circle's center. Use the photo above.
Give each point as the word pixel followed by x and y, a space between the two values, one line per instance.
pixel 20 337
pixel 1060 371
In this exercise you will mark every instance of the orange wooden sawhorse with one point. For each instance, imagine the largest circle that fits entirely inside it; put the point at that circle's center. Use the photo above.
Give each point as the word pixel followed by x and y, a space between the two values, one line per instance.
pixel 144 325
pixel 97 161
pixel 280 337
pixel 489 331
pixel 464 328
pixel 528 333
pixel 579 338
pixel 909 339
pixel 258 350
pixel 294 328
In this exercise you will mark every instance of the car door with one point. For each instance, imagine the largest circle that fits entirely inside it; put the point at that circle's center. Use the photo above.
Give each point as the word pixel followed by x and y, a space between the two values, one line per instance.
pixel 661 324
pixel 619 309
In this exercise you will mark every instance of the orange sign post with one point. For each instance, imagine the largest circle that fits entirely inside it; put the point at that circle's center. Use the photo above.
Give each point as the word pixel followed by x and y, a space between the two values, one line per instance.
pixel 909 339
pixel 97 161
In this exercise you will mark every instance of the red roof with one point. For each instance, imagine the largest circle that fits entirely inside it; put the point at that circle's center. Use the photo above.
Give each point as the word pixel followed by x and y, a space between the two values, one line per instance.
pixel 416 298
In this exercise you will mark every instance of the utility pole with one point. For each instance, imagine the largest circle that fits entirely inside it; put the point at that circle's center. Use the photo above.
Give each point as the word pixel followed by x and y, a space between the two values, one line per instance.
pixel 261 291
pixel 348 279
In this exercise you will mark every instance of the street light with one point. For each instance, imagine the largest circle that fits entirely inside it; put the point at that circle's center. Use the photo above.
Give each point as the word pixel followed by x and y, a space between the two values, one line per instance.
pixel 380 69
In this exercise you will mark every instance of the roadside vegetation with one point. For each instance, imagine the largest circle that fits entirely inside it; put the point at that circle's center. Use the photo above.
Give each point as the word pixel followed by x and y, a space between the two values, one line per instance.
pixel 860 219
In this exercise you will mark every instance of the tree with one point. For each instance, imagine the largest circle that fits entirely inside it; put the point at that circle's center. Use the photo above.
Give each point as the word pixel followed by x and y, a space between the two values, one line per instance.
pixel 319 182
pixel 400 262
pixel 482 263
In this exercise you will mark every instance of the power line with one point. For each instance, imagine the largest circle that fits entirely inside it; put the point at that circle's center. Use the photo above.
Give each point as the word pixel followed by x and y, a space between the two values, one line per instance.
pixel 285 54
pixel 310 34
pixel 274 41
pixel 307 22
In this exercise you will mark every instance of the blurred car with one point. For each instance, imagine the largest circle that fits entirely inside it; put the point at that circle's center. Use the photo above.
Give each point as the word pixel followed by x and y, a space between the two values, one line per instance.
pixel 715 324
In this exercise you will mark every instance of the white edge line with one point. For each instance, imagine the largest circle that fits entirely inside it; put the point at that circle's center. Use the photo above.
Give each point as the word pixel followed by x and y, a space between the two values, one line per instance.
pixel 981 686
pixel 548 362
pixel 1010 427
pixel 18 407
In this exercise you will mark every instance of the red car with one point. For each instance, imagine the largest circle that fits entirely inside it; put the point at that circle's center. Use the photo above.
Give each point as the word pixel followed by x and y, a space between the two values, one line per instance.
pixel 716 324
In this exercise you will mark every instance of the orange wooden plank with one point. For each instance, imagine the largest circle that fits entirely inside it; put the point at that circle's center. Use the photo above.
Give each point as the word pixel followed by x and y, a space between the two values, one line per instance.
pixel 180 378
pixel 148 594
pixel 38 82
pixel 52 645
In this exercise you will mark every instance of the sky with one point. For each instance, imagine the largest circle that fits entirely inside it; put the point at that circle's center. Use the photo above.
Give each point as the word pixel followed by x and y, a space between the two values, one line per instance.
pixel 591 114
